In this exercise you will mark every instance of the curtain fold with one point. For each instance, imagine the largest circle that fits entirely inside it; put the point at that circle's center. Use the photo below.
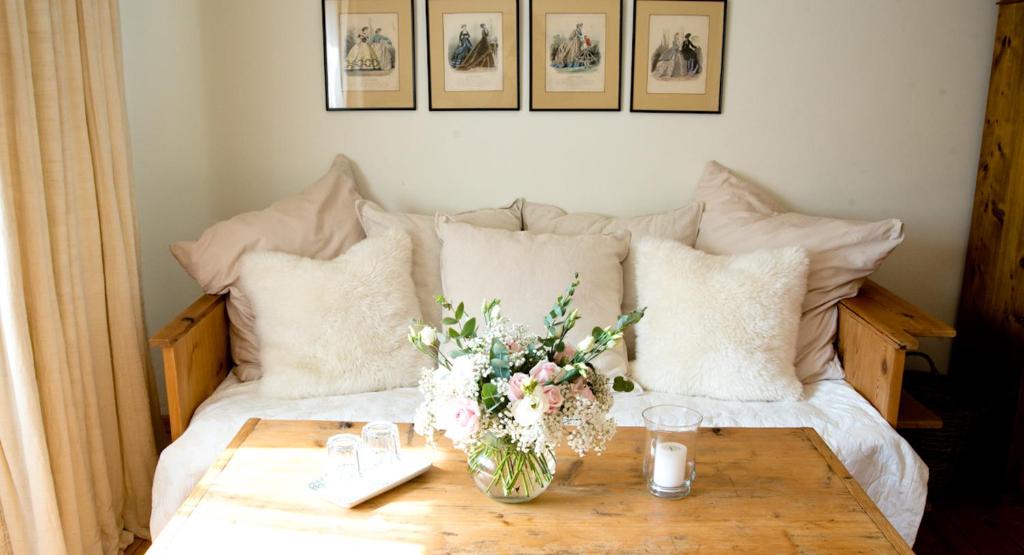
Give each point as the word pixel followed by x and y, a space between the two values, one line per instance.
pixel 77 401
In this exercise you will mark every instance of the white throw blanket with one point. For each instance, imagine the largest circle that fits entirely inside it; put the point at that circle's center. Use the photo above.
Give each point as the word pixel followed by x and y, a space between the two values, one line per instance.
pixel 879 459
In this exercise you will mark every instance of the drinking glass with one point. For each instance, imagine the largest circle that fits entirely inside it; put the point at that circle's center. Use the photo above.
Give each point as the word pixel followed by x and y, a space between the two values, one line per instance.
pixel 380 445
pixel 343 463
pixel 670 462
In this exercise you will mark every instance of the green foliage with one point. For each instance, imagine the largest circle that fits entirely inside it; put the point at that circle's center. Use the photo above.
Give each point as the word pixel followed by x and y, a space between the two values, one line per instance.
pixel 492 400
pixel 500 366
pixel 622 384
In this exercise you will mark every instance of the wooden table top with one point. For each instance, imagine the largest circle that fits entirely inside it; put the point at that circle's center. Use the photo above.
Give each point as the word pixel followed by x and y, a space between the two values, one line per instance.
pixel 768 490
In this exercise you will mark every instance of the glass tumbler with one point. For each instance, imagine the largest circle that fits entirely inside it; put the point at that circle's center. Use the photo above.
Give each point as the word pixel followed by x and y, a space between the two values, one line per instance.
pixel 670 464
pixel 343 463
pixel 380 446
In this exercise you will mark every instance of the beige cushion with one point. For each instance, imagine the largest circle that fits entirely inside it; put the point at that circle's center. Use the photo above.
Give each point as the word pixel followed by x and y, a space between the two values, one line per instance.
pixel 426 247
pixel 739 217
pixel 335 327
pixel 679 225
pixel 528 271
pixel 319 222
pixel 719 326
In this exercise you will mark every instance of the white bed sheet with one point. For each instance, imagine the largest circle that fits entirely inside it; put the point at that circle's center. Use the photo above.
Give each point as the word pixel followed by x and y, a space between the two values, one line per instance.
pixel 879 459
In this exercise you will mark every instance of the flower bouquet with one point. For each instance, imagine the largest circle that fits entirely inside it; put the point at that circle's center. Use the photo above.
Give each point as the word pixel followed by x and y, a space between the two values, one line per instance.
pixel 508 398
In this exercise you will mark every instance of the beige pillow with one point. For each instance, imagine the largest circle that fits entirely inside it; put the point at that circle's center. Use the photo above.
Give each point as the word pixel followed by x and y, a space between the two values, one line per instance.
pixel 739 217
pixel 719 326
pixel 335 327
pixel 426 247
pixel 319 222
pixel 528 271
pixel 679 225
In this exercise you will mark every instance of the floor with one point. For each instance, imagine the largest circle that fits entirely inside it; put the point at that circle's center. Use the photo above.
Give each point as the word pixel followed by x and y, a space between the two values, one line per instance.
pixel 972 526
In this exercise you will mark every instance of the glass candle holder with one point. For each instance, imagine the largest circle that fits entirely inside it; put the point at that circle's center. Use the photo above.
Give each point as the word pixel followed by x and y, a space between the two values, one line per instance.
pixel 670 462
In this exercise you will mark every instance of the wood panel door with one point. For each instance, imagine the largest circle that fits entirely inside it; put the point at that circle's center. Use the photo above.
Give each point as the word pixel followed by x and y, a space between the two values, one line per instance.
pixel 989 352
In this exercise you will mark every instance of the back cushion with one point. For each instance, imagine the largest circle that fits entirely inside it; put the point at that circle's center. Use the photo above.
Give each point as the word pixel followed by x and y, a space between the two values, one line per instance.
pixel 426 246
pixel 335 327
pixel 528 271
pixel 319 222
pixel 739 217
pixel 679 225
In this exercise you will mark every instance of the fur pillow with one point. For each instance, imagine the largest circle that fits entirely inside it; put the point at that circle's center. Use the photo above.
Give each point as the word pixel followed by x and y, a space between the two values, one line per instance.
pixel 338 326
pixel 719 326
pixel 740 217
pixel 319 222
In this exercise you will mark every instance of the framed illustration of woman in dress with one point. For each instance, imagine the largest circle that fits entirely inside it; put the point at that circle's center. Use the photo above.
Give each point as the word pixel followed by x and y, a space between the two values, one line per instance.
pixel 575 51
pixel 473 54
pixel 369 58
pixel 678 48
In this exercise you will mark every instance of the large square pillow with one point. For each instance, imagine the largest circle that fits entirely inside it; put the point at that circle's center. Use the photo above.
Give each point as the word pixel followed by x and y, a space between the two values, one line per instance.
pixel 680 225
pixel 739 217
pixel 719 326
pixel 319 222
pixel 528 271
pixel 334 327
pixel 426 246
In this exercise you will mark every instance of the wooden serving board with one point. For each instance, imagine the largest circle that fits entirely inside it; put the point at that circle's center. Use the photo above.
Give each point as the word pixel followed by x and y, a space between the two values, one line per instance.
pixel 775 490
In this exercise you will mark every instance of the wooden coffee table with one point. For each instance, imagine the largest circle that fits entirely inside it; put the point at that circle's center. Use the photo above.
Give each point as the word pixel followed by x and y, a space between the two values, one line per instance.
pixel 766 490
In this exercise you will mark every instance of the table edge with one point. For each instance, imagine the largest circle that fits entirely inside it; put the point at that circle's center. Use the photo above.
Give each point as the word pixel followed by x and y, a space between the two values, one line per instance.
pixel 858 493
pixel 183 512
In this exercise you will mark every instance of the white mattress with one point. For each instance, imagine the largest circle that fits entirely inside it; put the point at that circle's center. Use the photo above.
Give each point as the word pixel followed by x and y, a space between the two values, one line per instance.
pixel 880 460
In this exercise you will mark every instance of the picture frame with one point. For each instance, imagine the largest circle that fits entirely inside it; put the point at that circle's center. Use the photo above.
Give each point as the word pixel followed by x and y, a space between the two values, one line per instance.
pixel 576 55
pixel 369 54
pixel 678 56
pixel 473 54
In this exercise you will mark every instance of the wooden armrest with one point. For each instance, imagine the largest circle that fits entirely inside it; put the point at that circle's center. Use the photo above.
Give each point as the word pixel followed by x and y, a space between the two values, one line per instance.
pixel 197 357
pixel 894 317
pixel 876 328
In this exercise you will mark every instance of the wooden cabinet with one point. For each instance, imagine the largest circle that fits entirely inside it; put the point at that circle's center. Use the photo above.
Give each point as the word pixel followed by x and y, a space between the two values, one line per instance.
pixel 988 355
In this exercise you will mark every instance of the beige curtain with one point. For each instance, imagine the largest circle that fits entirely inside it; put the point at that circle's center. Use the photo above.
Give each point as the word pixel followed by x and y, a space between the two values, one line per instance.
pixel 76 428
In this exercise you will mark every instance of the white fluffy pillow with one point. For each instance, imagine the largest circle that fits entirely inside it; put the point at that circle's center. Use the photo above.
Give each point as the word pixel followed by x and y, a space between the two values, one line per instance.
pixel 719 326
pixel 337 326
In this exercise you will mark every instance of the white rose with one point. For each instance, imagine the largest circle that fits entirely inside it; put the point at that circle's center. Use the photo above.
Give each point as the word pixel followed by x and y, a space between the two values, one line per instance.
pixel 586 344
pixel 427 335
pixel 528 410
pixel 463 370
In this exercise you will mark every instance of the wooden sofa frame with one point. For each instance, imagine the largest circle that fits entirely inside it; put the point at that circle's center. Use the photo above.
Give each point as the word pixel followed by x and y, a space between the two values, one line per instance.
pixel 876 329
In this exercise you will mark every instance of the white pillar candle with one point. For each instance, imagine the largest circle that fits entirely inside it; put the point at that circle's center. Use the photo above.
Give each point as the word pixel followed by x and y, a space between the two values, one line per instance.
pixel 669 464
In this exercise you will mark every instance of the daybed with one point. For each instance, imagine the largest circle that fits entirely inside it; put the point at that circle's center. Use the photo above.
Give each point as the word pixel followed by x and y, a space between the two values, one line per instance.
pixel 855 416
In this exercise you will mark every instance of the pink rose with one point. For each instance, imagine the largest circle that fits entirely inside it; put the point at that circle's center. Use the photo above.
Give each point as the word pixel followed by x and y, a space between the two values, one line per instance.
pixel 464 420
pixel 581 389
pixel 565 355
pixel 544 372
pixel 513 347
pixel 554 397
pixel 515 386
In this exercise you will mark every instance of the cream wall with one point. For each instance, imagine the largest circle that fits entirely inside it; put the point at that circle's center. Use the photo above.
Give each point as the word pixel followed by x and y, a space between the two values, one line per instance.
pixel 850 108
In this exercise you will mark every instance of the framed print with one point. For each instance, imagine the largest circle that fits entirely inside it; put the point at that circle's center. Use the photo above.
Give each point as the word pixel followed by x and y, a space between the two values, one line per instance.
pixel 369 54
pixel 678 48
pixel 473 54
pixel 575 53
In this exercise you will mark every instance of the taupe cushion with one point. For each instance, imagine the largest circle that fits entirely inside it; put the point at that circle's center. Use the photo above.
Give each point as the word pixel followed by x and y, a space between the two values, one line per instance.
pixel 528 271
pixel 319 222
pixel 679 225
pixel 739 217
pixel 426 247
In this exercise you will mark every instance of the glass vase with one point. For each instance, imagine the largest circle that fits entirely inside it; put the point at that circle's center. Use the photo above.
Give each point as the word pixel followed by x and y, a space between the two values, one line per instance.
pixel 504 473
